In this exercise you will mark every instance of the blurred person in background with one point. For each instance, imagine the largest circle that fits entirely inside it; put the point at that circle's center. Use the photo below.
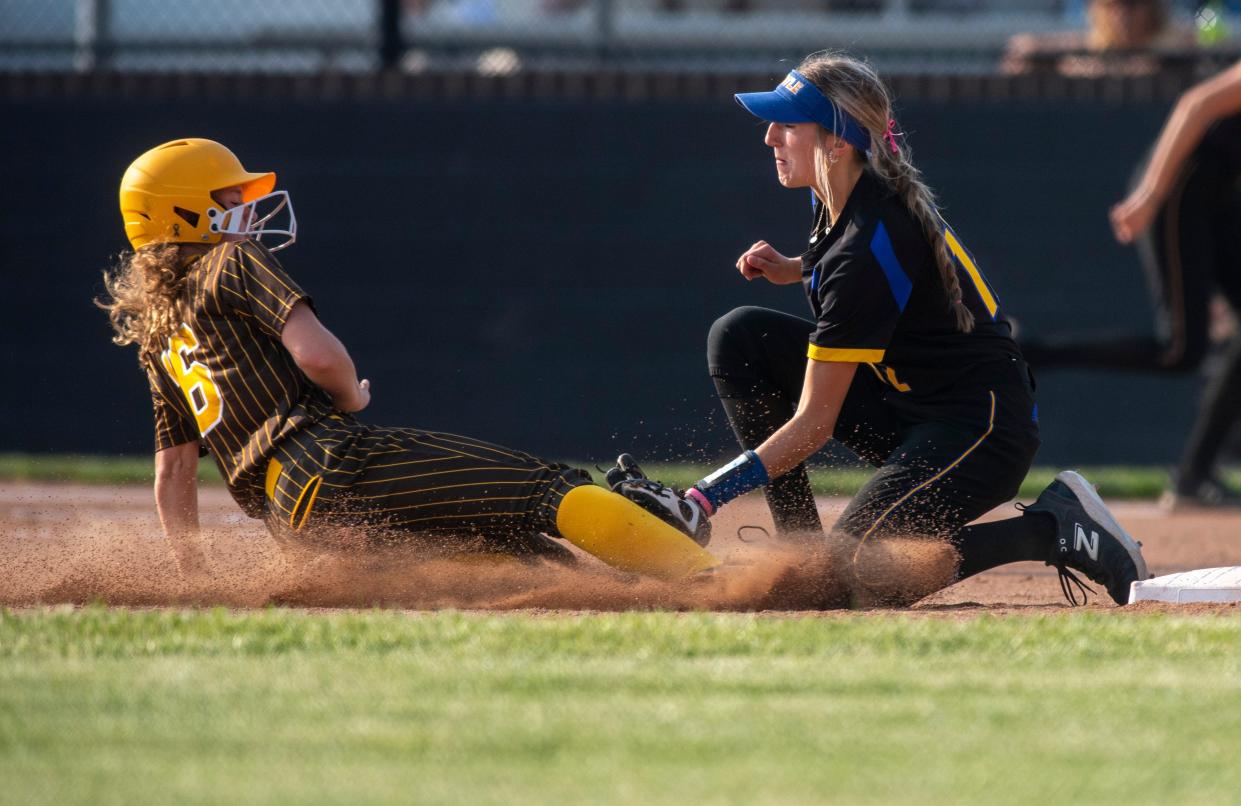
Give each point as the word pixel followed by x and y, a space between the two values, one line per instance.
pixel 240 367
pixel 1184 214
pixel 908 360
pixel 668 6
pixel 1119 40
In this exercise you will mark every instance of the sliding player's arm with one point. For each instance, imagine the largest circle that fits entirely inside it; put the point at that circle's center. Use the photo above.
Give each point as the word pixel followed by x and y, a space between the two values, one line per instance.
pixel 326 362
pixel 176 499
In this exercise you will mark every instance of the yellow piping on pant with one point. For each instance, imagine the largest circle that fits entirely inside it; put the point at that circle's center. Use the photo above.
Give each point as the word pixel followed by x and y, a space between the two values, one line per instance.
pixel 931 480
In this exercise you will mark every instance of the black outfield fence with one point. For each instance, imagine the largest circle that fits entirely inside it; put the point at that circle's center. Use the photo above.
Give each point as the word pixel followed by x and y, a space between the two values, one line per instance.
pixel 536 260
pixel 575 85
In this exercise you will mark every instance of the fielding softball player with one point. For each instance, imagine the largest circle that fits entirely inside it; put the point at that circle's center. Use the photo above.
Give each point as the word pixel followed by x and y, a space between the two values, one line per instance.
pixel 240 367
pixel 1183 213
pixel 908 360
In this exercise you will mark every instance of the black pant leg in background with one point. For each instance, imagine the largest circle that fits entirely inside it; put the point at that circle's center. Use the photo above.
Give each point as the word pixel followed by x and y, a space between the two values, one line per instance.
pixel 1178 254
pixel 1220 405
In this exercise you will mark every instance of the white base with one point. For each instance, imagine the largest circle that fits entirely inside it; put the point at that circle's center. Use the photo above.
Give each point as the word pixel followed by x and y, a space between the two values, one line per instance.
pixel 1202 585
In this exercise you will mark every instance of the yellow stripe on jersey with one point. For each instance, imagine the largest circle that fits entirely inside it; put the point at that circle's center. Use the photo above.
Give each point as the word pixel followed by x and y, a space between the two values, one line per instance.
pixel 888 376
pixel 892 379
pixel 972 270
pixel 845 354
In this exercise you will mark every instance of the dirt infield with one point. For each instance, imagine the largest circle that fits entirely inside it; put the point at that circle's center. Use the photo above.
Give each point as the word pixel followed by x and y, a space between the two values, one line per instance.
pixel 75 544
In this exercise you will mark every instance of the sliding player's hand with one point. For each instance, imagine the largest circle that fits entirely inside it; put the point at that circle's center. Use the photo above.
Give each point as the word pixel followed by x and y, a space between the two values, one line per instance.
pixel 360 399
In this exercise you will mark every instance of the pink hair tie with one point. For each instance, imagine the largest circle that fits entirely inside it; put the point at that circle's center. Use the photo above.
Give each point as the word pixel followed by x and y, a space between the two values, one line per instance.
pixel 702 500
pixel 891 136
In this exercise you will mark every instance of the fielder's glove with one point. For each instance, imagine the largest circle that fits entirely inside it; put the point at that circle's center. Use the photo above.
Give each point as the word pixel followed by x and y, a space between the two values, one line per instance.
pixel 666 503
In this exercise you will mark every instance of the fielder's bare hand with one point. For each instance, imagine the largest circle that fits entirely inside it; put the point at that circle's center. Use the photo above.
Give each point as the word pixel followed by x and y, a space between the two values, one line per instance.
pixel 762 260
pixel 1131 217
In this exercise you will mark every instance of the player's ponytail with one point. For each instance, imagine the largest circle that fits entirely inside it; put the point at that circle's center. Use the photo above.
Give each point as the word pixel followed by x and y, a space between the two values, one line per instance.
pixel 854 87
pixel 145 296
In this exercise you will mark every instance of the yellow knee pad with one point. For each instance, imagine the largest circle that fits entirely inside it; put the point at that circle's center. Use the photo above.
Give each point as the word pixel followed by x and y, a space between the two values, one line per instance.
pixel 626 536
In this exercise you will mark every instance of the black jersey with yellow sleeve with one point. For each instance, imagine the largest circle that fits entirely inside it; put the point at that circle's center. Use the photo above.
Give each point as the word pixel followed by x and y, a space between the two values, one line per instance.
pixel 878 299
pixel 225 377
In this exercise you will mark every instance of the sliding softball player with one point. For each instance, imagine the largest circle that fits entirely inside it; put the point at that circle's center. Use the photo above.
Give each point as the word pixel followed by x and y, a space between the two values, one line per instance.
pixel 240 367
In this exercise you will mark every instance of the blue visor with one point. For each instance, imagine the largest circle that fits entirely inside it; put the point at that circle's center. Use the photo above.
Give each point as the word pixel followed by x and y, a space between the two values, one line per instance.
pixel 796 100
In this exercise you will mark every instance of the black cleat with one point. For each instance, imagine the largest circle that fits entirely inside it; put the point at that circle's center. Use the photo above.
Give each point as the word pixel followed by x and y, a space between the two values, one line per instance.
pixel 1088 538
pixel 662 501
pixel 626 469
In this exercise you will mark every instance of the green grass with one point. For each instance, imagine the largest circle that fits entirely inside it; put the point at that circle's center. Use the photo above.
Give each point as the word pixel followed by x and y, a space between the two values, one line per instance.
pixel 1115 482
pixel 106 706
pixel 86 469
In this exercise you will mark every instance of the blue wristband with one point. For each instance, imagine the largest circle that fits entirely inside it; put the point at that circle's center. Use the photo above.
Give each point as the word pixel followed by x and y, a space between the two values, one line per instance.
pixel 738 477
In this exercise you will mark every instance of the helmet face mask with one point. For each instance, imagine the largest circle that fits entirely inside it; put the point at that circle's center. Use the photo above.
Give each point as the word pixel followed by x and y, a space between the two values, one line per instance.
pixel 254 218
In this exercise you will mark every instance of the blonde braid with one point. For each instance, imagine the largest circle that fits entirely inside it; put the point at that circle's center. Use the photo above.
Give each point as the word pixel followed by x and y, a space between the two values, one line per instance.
pixel 855 88
pixel 906 180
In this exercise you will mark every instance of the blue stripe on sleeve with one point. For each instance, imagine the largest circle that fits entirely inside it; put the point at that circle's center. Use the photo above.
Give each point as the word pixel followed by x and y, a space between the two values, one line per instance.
pixel 898 281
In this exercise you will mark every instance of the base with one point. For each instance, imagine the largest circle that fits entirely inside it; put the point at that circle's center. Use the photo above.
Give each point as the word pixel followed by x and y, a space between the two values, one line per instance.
pixel 1187 587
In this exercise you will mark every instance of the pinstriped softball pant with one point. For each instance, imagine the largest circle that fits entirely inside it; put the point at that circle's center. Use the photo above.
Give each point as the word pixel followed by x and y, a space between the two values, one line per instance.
pixel 339 472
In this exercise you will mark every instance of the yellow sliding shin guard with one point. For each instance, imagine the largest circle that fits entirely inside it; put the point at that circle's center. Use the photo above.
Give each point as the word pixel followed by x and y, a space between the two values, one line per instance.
pixel 626 536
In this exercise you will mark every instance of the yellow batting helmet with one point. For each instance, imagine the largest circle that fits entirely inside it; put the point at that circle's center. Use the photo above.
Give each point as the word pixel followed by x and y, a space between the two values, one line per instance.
pixel 166 193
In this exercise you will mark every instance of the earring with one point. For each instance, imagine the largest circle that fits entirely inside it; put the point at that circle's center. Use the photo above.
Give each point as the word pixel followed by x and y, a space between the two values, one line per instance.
pixel 831 157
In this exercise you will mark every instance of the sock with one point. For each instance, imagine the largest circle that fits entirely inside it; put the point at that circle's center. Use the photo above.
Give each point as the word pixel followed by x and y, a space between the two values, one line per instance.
pixel 626 536
pixel 984 546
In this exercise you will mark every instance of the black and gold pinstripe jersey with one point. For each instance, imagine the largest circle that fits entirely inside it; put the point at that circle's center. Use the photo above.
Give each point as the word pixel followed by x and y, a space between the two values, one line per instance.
pixel 290 457
pixel 225 377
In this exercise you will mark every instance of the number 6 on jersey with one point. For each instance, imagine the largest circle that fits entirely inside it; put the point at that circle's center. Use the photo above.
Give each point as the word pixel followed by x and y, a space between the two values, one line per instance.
pixel 194 379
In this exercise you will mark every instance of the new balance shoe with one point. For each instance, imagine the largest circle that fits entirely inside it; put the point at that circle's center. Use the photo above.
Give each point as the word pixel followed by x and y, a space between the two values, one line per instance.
pixel 1088 538
pixel 664 502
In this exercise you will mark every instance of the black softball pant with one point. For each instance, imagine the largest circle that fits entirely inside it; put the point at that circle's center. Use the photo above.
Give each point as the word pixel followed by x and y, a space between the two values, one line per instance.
pixel 938 468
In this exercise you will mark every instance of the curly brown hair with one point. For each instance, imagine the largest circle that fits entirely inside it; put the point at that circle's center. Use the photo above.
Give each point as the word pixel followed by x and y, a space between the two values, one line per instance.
pixel 146 295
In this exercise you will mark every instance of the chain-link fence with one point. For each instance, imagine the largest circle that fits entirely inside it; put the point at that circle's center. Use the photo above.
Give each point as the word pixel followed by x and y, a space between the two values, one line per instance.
pixel 217 35
pixel 502 36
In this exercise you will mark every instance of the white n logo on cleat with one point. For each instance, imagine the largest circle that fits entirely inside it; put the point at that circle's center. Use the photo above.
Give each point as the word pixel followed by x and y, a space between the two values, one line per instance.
pixel 1080 541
